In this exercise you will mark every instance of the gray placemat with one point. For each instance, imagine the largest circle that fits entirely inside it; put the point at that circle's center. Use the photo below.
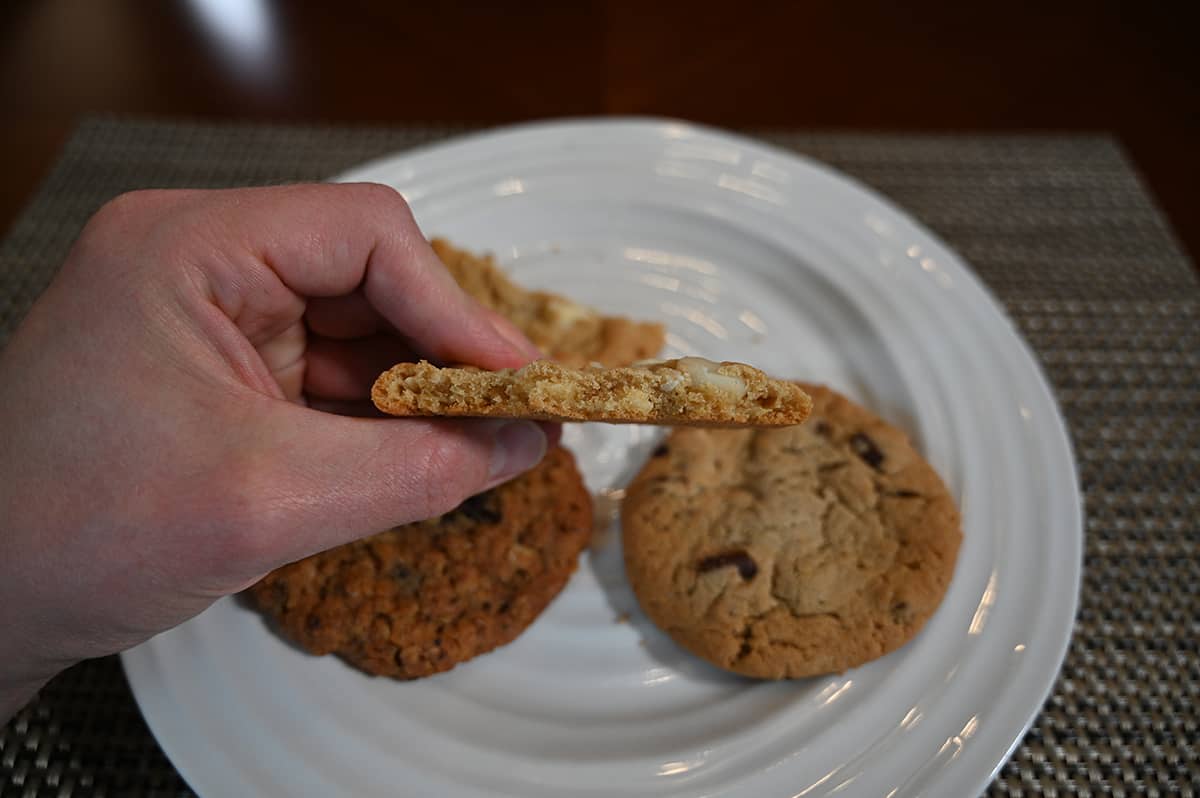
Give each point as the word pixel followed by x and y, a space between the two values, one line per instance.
pixel 1059 227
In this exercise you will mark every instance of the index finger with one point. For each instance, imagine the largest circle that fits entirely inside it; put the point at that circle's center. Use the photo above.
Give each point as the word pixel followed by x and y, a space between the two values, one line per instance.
pixel 330 240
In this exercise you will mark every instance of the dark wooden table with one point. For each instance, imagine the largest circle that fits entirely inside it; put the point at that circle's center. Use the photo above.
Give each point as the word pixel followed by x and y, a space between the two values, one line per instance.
pixel 1130 69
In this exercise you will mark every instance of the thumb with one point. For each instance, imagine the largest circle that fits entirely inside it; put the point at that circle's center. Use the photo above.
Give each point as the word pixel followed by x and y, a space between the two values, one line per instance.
pixel 318 480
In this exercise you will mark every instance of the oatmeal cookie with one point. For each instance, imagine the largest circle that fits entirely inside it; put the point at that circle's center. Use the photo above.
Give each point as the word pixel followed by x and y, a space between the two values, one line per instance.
pixel 421 598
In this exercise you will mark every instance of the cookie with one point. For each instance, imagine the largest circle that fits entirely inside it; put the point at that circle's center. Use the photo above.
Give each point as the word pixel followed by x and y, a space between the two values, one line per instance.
pixel 568 332
pixel 689 390
pixel 784 553
pixel 421 598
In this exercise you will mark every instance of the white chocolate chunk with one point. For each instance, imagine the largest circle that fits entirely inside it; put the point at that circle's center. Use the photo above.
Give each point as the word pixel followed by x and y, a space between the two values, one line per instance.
pixel 704 374
pixel 640 400
pixel 673 382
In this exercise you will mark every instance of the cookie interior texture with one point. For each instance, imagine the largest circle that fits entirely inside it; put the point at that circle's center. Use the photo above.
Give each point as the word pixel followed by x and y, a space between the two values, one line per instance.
pixel 421 598
pixel 568 332
pixel 688 391
pixel 791 552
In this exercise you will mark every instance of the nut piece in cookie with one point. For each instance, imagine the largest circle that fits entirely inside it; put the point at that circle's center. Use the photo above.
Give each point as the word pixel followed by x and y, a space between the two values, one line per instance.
pixel 687 391
pixel 421 598
pixel 790 552
pixel 568 332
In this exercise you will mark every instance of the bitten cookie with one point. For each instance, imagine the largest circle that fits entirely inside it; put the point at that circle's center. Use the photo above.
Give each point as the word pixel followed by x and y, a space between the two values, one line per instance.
pixel 423 597
pixel 791 552
pixel 568 332
pixel 690 391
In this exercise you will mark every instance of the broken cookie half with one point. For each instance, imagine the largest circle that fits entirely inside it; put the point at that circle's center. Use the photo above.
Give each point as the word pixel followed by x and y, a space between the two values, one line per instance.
pixel 566 331
pixel 689 391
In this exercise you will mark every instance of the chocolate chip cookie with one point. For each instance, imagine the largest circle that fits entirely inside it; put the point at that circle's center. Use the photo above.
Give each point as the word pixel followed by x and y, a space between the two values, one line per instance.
pixel 791 552
pixel 689 390
pixel 568 332
pixel 421 598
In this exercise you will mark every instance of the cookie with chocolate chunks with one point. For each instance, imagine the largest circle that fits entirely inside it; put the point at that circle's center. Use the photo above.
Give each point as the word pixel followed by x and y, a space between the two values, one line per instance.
pixel 423 597
pixel 794 551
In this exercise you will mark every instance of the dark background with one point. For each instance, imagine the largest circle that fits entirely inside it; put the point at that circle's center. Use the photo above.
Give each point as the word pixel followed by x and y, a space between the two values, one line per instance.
pixel 1125 68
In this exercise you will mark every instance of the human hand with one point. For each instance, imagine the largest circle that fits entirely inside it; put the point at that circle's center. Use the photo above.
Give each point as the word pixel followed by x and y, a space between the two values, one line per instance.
pixel 156 450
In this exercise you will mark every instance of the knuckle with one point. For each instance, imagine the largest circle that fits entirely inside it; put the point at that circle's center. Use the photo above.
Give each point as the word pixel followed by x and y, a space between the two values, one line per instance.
pixel 119 213
pixel 133 205
pixel 386 201
pixel 381 193
pixel 130 201
pixel 129 218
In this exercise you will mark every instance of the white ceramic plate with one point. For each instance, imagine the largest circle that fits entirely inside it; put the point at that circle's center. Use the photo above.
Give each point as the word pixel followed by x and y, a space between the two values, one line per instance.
pixel 747 253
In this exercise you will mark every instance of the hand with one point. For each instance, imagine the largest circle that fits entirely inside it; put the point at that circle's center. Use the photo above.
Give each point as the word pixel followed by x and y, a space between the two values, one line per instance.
pixel 159 442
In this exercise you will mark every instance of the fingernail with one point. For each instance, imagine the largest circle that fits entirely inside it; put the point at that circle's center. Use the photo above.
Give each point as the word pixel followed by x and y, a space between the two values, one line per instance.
pixel 506 330
pixel 519 446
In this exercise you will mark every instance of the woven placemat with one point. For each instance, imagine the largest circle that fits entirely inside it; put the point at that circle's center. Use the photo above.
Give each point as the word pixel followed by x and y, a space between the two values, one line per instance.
pixel 1065 235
